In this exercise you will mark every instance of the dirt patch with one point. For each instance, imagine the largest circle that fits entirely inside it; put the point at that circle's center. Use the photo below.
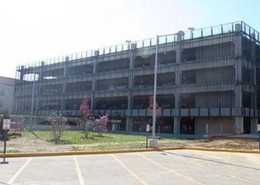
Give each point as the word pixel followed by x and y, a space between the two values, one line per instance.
pixel 36 144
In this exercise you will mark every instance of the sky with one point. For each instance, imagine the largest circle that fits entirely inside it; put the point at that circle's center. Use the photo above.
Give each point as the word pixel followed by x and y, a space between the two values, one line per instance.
pixel 36 30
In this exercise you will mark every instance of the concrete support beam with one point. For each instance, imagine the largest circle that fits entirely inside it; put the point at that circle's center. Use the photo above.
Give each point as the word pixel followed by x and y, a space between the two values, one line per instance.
pixel 129 101
pixel 254 122
pixel 238 40
pixel 64 84
pixel 238 96
pixel 239 125
pixel 129 124
pixel 94 82
pixel 92 102
pixel 238 71
pixel 22 73
pixel 177 123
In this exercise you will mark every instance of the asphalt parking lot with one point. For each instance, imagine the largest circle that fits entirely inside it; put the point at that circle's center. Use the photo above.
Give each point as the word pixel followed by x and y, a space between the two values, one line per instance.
pixel 161 167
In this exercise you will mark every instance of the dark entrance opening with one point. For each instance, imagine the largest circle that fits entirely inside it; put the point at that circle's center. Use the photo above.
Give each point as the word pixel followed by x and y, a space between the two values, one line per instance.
pixel 187 125
pixel 247 125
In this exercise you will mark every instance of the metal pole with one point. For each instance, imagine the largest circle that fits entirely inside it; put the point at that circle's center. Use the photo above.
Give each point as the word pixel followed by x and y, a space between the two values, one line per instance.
pixel 259 140
pixel 32 103
pixel 155 86
pixel 5 138
pixel 147 139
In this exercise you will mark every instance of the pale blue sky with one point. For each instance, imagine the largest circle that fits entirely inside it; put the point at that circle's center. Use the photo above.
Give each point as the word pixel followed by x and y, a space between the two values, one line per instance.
pixel 34 30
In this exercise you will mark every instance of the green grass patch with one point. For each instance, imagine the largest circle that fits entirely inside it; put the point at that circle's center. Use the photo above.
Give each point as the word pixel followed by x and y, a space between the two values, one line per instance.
pixel 76 137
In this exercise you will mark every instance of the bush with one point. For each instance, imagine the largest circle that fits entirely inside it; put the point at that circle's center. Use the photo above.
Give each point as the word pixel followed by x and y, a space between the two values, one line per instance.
pixel 101 125
pixel 58 124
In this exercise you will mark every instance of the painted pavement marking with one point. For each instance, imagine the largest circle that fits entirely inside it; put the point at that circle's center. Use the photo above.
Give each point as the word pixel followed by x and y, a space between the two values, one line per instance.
pixel 141 181
pixel 19 171
pixel 207 168
pixel 81 181
pixel 171 170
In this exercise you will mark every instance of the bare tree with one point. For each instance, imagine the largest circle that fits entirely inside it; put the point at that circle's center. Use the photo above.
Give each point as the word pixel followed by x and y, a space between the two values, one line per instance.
pixel 101 125
pixel 58 124
pixel 86 121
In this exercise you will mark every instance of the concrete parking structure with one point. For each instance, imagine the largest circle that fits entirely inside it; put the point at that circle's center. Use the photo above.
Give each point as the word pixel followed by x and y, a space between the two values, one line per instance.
pixel 158 167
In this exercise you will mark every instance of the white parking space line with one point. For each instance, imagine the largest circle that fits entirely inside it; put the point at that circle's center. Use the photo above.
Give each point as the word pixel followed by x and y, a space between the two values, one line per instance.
pixel 217 172
pixel 172 171
pixel 81 181
pixel 19 171
pixel 141 181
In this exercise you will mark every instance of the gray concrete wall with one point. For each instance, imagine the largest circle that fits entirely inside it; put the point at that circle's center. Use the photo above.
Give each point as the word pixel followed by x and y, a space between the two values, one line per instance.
pixel 216 125
pixel 214 51
pixel 214 100
pixel 215 75
pixel 6 94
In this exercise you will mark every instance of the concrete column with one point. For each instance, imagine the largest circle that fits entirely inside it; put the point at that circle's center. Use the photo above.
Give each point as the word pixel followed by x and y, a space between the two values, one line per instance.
pixel 22 73
pixel 41 71
pixel 129 124
pixel 239 125
pixel 132 56
pixel 180 37
pixel 94 82
pixel 93 103
pixel 64 83
pixel 96 53
pixel 254 122
pixel 253 48
pixel 129 101
pixel 238 40
pixel 239 121
pixel 177 123
pixel 238 96
pixel 238 71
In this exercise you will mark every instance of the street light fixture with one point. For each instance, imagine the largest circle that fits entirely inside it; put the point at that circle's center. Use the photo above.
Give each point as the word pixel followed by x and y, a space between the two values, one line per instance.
pixel 128 43
pixel 191 31
pixel 33 94
pixel 153 143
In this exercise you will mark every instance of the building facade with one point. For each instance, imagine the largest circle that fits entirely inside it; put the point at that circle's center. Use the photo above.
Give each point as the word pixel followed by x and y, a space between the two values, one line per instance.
pixel 207 83
pixel 6 94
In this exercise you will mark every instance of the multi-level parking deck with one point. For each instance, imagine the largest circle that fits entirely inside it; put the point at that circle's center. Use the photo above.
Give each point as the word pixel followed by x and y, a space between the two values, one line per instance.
pixel 207 82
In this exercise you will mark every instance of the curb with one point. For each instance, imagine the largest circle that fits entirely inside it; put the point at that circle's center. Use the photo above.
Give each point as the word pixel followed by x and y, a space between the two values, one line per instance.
pixel 45 154
pixel 222 150
pixel 42 154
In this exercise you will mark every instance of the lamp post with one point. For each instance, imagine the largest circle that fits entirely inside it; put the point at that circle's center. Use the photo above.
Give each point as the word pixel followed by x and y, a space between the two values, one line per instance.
pixel 153 142
pixel 32 103
pixel 128 43
pixel 191 31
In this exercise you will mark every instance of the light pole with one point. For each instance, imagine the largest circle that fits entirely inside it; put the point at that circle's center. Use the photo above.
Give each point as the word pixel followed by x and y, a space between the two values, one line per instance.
pixel 153 143
pixel 128 44
pixel 32 103
pixel 191 31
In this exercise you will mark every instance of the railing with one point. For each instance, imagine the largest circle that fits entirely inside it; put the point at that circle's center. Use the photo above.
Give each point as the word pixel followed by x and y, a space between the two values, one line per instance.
pixel 163 39
pixel 183 112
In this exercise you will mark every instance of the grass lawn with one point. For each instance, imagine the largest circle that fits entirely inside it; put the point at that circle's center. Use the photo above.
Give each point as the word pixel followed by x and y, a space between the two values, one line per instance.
pixel 42 141
pixel 78 141
pixel 76 137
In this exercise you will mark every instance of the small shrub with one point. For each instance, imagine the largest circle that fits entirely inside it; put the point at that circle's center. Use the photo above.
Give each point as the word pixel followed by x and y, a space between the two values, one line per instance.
pixel 58 124
pixel 101 125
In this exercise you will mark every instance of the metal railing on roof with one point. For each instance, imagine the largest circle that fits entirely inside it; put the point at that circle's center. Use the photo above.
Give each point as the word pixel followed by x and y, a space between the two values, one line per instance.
pixel 163 39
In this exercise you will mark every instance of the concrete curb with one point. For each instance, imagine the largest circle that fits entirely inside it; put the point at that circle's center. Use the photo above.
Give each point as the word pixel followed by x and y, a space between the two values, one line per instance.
pixel 222 150
pixel 43 154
